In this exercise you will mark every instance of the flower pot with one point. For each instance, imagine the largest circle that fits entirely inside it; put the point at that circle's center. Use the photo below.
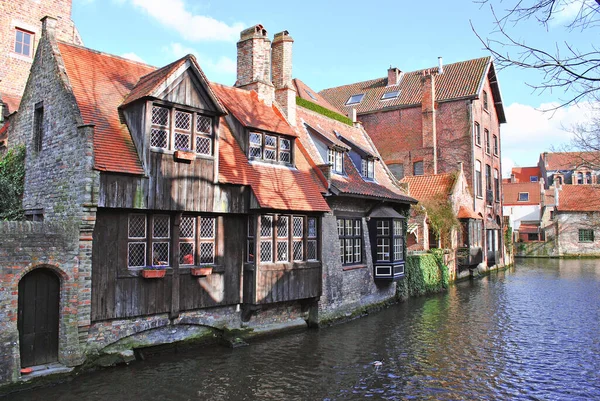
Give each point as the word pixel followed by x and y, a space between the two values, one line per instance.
pixel 153 273
pixel 201 271
pixel 182 155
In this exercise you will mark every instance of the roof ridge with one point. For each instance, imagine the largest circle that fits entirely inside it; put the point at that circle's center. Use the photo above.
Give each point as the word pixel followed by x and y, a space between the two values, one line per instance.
pixel 106 54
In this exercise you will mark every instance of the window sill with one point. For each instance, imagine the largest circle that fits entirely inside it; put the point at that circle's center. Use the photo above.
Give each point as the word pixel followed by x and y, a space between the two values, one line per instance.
pixel 353 267
pixel 21 57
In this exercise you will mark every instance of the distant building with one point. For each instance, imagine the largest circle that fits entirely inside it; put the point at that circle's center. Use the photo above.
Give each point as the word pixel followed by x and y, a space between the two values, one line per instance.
pixel 424 122
pixel 522 205
pixel 572 168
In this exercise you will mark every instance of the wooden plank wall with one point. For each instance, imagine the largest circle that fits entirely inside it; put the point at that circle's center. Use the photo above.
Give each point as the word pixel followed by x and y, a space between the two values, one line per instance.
pixel 120 293
pixel 277 284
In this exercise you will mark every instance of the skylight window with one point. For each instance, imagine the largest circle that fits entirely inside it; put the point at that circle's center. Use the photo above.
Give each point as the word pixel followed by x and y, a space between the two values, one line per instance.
pixel 310 94
pixel 354 99
pixel 390 95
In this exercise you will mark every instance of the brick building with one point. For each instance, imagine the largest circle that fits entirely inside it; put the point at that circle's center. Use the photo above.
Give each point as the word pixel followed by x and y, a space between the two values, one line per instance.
pixel 20 30
pixel 426 121
pixel 256 212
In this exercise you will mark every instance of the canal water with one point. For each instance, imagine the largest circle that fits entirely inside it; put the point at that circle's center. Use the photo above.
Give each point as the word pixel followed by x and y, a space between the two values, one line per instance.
pixel 531 333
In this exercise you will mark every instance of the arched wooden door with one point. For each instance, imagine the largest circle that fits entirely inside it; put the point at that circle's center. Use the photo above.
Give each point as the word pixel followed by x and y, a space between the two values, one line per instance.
pixel 38 317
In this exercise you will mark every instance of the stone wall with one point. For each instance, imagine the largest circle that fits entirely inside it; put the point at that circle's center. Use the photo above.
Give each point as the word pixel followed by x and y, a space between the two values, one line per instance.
pixel 26 15
pixel 25 246
pixel 568 226
pixel 348 289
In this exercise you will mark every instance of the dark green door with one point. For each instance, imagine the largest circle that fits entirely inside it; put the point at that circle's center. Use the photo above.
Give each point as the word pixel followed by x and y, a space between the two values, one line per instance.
pixel 38 317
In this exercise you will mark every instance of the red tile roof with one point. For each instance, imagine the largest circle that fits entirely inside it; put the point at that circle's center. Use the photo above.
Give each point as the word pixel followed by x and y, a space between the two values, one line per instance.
pixel 462 79
pixel 12 102
pixel 569 160
pixel 511 193
pixel 304 92
pixel 275 187
pixel 524 174
pixel 352 183
pixel 100 83
pixel 251 112
pixel 579 198
pixel 466 212
pixel 427 187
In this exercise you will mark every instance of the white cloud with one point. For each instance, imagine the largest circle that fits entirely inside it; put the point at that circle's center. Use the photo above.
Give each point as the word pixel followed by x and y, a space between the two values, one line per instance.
pixel 507 165
pixel 530 131
pixel 133 56
pixel 193 27
pixel 566 13
pixel 223 68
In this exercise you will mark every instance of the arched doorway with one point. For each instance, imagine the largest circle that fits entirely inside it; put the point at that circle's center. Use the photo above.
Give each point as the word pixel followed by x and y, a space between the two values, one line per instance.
pixel 39 292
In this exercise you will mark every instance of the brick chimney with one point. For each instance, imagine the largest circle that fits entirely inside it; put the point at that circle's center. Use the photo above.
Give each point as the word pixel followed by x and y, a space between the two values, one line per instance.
pixel 393 76
pixel 285 94
pixel 428 114
pixel 254 63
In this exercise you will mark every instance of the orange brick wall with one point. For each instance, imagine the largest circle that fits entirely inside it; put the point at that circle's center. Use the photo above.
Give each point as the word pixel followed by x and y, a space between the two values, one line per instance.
pixel 26 15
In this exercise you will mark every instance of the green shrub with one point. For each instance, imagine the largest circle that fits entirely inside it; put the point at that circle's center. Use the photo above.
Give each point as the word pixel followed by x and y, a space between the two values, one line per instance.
pixel 322 110
pixel 12 179
pixel 425 274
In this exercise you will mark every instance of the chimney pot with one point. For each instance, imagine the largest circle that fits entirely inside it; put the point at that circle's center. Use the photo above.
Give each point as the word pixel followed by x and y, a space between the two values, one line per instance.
pixel 440 65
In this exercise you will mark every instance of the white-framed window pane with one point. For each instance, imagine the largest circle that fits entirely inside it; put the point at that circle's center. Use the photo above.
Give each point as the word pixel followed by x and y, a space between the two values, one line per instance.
pixel 186 253
pixel 285 157
pixel 371 169
pixel 349 228
pixel 266 251
pixel 161 227
pixel 203 145
pixel 266 226
pixel 207 253
pixel 160 253
pixel 159 138
pixel 298 251
pixel 383 227
pixel 349 250
pixel 270 154
pixel 203 124
pixel 270 141
pixel 311 250
pixel 282 251
pixel 357 250
pixel 397 248
pixel 255 152
pixel 283 227
pixel 363 167
pixel 342 247
pixel 298 229
pixel 183 120
pixel 187 227
pixel 160 116
pixel 207 227
pixel 357 228
pixel 183 141
pixel 338 162
pixel 383 249
pixel 397 227
pixel 137 226
pixel 340 227
pixel 331 156
pixel 285 144
pixel 136 254
pixel 312 227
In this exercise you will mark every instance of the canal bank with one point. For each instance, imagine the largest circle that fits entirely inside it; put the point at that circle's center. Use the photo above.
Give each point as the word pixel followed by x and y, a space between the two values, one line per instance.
pixel 529 332
pixel 425 274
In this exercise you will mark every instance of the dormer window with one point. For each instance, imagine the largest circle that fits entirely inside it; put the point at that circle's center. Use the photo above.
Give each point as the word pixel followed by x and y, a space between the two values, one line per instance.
pixel 355 99
pixel 174 129
pixel 270 148
pixel 368 168
pixel 335 158
pixel 390 95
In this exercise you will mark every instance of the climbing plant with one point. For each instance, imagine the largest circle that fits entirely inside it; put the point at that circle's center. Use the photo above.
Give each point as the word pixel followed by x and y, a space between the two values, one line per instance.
pixel 424 274
pixel 12 177
pixel 441 217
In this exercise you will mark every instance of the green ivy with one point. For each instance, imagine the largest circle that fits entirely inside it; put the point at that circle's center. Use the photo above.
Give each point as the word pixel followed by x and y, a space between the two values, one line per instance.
pixel 322 110
pixel 12 179
pixel 425 274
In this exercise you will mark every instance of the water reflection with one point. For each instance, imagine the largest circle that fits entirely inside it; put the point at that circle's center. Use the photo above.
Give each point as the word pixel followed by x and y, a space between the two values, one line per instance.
pixel 528 333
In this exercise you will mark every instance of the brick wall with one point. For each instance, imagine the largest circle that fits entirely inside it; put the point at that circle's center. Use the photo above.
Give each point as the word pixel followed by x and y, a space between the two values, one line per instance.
pixel 25 246
pixel 568 228
pixel 26 15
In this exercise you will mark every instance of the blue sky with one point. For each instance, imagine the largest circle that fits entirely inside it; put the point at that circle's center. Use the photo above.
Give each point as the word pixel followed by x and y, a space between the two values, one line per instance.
pixel 336 42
